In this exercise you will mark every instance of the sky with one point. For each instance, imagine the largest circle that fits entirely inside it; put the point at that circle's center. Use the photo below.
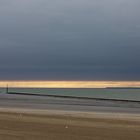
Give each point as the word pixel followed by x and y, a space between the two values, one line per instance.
pixel 70 40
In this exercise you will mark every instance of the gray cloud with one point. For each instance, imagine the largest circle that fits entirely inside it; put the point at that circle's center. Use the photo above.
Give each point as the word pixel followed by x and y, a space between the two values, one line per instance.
pixel 70 40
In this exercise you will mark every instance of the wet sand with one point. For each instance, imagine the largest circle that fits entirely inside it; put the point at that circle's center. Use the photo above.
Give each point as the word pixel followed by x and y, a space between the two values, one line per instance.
pixel 51 125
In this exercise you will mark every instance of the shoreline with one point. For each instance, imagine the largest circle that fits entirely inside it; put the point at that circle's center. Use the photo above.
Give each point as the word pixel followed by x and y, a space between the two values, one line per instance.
pixel 75 114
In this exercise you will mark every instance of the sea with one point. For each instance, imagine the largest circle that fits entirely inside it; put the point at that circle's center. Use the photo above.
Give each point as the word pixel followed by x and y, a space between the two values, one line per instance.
pixel 120 99
pixel 105 93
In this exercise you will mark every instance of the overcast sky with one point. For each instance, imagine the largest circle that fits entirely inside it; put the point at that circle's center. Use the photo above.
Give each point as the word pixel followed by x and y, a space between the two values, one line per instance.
pixel 69 40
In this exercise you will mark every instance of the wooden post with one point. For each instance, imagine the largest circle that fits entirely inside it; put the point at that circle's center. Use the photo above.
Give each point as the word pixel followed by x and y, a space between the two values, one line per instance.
pixel 7 89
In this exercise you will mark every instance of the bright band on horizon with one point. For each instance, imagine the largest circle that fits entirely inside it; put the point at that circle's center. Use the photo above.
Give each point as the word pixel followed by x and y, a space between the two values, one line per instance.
pixel 69 84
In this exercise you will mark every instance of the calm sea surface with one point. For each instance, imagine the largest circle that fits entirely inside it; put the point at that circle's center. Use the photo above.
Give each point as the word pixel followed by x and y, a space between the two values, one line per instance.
pixel 127 94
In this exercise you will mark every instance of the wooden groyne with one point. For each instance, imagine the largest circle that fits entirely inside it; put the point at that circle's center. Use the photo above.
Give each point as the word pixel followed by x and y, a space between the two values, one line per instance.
pixel 73 97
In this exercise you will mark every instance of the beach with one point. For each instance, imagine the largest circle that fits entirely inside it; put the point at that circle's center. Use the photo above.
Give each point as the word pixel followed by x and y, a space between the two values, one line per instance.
pixel 26 117
pixel 18 124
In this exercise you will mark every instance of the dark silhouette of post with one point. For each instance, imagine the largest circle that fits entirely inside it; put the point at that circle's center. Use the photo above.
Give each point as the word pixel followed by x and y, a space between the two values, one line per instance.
pixel 7 89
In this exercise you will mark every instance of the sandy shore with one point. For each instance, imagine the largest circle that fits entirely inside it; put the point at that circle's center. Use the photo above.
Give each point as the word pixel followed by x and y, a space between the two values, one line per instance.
pixel 21 124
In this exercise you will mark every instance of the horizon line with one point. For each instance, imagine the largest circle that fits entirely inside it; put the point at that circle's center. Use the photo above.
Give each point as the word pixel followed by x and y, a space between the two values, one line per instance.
pixel 68 84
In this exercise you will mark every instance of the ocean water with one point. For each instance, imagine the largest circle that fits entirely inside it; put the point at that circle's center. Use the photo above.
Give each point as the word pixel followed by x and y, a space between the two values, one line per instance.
pixel 124 94
pixel 73 104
